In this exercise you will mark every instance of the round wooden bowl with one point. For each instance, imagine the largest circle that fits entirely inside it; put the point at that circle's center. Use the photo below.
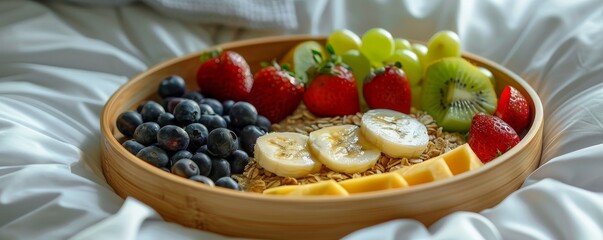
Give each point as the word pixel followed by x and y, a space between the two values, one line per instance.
pixel 253 215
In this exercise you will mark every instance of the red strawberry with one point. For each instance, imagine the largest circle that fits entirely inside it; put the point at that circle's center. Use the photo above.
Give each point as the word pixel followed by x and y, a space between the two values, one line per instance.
pixel 332 92
pixel 490 136
pixel 224 76
pixel 513 109
pixel 388 88
pixel 275 93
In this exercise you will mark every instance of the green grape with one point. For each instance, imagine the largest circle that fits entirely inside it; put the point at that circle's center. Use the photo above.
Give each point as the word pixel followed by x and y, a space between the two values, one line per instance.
pixel 402 43
pixel 410 64
pixel 443 44
pixel 343 40
pixel 359 64
pixel 421 51
pixel 377 64
pixel 377 45
pixel 489 75
pixel 415 100
pixel 361 67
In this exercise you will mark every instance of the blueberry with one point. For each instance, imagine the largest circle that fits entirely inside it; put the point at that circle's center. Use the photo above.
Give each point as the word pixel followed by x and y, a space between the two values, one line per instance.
pixel 165 103
pixel 165 119
pixel 151 111
pixel 172 138
pixel 187 112
pixel 154 156
pixel 180 155
pixel 226 106
pixel 132 146
pixel 227 182
pixel 212 122
pixel 206 109
pixel 214 104
pixel 172 86
pixel 249 135
pixel 139 108
pixel 264 123
pixel 219 168
pixel 238 160
pixel 197 133
pixel 166 169
pixel 227 120
pixel 195 96
pixel 185 168
pixel 203 149
pixel 127 122
pixel 242 114
pixel 172 102
pixel 221 142
pixel 204 163
pixel 146 133
pixel 203 179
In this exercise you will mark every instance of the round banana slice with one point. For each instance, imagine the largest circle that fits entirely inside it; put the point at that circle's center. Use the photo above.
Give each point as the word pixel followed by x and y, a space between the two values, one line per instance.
pixel 396 134
pixel 285 154
pixel 343 149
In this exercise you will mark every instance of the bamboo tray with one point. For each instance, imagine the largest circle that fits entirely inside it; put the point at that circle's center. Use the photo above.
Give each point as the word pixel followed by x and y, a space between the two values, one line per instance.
pixel 252 215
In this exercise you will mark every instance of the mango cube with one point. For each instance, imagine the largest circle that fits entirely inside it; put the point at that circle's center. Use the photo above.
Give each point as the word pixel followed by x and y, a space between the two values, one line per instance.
pixel 280 190
pixel 428 171
pixel 461 159
pixel 322 188
pixel 374 183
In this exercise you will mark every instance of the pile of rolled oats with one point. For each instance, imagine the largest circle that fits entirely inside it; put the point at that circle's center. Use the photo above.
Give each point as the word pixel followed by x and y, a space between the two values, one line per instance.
pixel 256 179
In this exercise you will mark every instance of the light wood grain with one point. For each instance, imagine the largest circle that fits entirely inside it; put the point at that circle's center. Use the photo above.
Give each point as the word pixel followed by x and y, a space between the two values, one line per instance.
pixel 254 215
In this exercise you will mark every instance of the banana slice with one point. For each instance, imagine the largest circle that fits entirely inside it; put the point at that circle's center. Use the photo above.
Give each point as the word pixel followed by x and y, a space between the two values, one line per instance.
pixel 396 134
pixel 285 154
pixel 343 149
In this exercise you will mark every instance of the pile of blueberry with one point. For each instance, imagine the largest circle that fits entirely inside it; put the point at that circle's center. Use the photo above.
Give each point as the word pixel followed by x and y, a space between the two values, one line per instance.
pixel 193 136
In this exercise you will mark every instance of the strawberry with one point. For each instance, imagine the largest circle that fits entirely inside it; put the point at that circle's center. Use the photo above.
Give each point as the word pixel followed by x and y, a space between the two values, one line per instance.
pixel 513 109
pixel 332 91
pixel 490 136
pixel 224 75
pixel 275 93
pixel 388 88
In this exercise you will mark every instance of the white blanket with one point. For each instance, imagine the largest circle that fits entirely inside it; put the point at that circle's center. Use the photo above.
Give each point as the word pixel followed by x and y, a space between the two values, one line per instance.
pixel 59 63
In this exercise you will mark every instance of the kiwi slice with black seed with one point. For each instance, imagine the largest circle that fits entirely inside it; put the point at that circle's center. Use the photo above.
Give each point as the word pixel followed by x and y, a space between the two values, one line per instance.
pixel 453 91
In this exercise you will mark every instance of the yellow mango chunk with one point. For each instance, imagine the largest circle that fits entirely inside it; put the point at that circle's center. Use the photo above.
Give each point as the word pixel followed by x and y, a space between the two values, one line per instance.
pixel 461 159
pixel 329 187
pixel 428 171
pixel 374 183
pixel 323 188
pixel 281 190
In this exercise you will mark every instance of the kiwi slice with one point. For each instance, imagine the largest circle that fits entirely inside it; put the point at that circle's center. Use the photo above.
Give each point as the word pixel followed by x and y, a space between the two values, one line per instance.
pixel 453 91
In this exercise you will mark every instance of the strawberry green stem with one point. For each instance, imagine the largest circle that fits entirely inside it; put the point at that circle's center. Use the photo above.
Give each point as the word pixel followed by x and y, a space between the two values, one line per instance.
pixel 207 55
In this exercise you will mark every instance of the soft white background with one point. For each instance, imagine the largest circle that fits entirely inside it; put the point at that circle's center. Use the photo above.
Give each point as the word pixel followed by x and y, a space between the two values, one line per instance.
pixel 60 62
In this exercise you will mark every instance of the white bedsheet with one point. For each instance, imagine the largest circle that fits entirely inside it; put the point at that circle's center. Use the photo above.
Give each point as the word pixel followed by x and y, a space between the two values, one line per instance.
pixel 59 63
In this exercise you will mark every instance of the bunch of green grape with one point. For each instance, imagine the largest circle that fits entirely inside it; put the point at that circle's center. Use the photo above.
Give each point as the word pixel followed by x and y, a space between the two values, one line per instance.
pixel 378 47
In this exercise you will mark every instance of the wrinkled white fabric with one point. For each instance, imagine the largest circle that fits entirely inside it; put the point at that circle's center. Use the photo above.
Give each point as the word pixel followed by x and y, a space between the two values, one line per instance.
pixel 256 14
pixel 59 63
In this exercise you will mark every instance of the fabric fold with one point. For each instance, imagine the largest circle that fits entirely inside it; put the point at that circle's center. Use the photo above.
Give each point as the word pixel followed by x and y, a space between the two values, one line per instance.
pixel 256 14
